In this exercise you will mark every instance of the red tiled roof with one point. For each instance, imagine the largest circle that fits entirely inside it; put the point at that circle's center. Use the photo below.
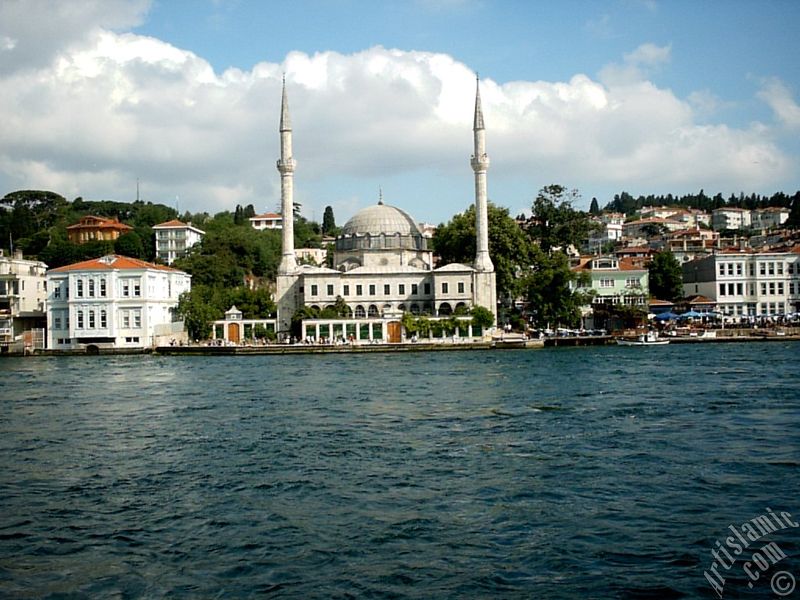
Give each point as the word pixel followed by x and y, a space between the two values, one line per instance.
pixel 624 264
pixel 633 249
pixel 267 216
pixel 93 222
pixel 172 223
pixel 628 264
pixel 112 262
pixel 698 299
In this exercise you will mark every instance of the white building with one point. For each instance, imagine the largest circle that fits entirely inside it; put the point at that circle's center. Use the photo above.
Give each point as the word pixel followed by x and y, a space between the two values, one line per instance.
pixel 746 283
pixel 609 230
pixel 382 264
pixel 174 238
pixel 730 218
pixel 641 227
pixel 312 256
pixel 23 290
pixel 267 221
pixel 112 302
pixel 769 218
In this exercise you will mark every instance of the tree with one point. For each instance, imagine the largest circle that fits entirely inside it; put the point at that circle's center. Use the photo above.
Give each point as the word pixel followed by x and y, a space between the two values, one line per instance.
pixel 794 215
pixel 555 223
pixel 550 297
pixel 455 242
pixel 206 303
pixel 652 230
pixel 666 277
pixel 482 317
pixel 594 207
pixel 129 244
pixel 197 312
pixel 328 222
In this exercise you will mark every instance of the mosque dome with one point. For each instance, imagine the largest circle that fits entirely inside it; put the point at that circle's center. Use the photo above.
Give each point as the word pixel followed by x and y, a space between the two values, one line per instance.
pixel 381 219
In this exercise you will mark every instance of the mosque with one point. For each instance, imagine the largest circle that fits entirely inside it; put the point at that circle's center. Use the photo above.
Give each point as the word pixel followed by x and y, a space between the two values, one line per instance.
pixel 382 266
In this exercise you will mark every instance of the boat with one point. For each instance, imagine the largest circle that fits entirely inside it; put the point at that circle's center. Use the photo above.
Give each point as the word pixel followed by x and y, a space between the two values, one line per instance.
pixel 644 339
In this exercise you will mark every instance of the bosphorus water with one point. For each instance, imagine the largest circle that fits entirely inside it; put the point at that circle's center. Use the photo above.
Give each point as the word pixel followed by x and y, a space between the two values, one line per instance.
pixel 557 473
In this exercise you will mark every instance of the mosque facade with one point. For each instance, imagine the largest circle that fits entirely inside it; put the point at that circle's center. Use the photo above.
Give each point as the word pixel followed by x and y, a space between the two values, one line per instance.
pixel 382 265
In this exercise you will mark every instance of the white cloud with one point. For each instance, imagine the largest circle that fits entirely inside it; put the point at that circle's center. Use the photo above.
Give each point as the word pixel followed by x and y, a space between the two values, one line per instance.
pixel 780 100
pixel 649 54
pixel 118 106
pixel 637 65
pixel 33 32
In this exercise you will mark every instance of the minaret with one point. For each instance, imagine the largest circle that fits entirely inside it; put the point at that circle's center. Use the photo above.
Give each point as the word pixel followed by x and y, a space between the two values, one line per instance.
pixel 286 168
pixel 480 164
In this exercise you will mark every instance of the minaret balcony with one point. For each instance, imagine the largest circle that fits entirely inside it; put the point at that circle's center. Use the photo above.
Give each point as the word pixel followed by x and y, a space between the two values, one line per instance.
pixel 286 166
pixel 480 163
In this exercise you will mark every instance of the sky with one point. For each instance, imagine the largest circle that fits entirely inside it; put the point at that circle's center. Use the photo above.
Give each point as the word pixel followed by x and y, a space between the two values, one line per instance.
pixel 602 96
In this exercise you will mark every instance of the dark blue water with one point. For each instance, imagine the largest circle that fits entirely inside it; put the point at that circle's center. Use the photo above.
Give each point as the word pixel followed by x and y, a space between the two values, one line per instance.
pixel 564 473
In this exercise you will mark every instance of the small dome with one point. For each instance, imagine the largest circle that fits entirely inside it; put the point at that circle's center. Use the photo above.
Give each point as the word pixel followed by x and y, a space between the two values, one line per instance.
pixel 381 218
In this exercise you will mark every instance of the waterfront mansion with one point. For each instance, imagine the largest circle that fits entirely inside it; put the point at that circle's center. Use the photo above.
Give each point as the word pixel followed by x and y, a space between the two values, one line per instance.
pixel 112 302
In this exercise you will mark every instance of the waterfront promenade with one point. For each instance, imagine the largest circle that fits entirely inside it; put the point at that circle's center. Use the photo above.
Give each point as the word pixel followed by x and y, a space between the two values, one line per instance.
pixel 721 336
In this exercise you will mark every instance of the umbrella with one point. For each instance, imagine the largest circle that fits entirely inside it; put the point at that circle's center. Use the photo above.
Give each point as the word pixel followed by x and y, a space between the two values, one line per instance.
pixel 666 316
pixel 692 314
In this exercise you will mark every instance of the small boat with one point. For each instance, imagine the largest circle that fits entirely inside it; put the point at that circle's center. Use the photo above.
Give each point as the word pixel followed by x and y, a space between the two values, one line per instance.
pixel 645 339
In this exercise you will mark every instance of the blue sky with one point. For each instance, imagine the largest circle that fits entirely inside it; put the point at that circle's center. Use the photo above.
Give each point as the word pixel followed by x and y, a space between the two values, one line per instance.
pixel 643 96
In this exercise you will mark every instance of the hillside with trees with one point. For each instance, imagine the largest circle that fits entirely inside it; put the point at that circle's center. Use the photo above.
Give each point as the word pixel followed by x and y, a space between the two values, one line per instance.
pixel 627 204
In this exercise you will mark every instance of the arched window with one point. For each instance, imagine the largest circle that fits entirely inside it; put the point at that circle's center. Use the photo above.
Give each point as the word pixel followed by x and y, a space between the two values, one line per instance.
pixel 414 309
pixel 373 311
pixel 387 308
pixel 445 309
pixel 360 313
pixel 402 307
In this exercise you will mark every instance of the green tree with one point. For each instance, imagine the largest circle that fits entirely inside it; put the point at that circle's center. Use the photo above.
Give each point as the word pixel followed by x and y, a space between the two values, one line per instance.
pixel 328 222
pixel 455 242
pixel 666 277
pixel 482 317
pixel 594 207
pixel 794 215
pixel 555 223
pixel 198 312
pixel 551 299
pixel 27 215
pixel 130 244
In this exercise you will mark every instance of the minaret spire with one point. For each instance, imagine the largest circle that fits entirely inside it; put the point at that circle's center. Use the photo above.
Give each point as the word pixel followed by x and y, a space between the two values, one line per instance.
pixel 480 165
pixel 478 122
pixel 286 166
pixel 286 121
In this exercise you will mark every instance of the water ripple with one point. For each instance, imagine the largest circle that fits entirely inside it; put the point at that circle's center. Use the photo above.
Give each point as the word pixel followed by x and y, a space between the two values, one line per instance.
pixel 596 473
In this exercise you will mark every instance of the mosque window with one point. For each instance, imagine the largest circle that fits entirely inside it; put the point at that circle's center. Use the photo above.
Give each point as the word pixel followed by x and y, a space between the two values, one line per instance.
pixel 401 289
pixel 345 290
pixel 414 289
pixel 386 289
pixel 371 289
pixel 330 289
pixel 359 290
pixel 444 287
pixel 427 289
pixel 313 289
pixel 460 287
